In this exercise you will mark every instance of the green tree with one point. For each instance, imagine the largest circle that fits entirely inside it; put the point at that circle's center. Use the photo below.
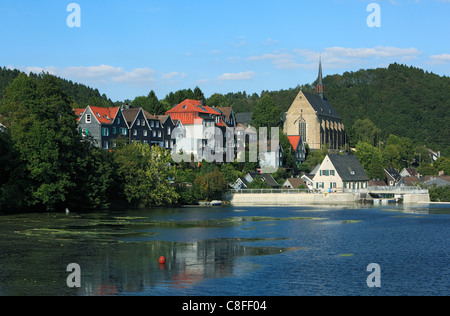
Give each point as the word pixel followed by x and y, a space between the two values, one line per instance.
pixel 313 159
pixel 440 194
pixel 150 103
pixel 200 188
pixel 198 94
pixel 145 173
pixel 44 132
pixel 425 169
pixel 229 172
pixel 267 113
pixel 96 176
pixel 12 181
pixel 371 159
pixel 442 164
pixel 217 185
pixel 365 131
pixel 217 100
pixel 399 151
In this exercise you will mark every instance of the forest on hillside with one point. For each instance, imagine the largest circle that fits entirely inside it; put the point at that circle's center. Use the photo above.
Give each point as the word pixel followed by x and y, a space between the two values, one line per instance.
pixel 400 100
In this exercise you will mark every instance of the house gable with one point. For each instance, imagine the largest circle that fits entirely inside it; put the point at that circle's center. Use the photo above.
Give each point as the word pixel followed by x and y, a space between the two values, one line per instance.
pixel 340 172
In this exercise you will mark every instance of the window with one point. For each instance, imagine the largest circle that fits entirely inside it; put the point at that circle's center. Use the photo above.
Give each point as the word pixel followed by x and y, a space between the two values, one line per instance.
pixel 134 132
pixel 145 132
pixel 159 133
pixel 138 122
pixel 106 145
pixel 167 144
pixel 302 129
pixel 142 122
pixel 324 172
pixel 154 133
pixel 157 124
pixel 152 123
pixel 118 120
pixel 88 118
pixel 105 131
pixel 84 132
pixel 332 172
pixel 114 130
pixel 168 130
pixel 123 131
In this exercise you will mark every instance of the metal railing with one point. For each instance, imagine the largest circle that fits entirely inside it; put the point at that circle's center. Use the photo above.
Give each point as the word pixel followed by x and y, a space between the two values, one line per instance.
pixel 261 191
pixel 403 189
pixel 387 189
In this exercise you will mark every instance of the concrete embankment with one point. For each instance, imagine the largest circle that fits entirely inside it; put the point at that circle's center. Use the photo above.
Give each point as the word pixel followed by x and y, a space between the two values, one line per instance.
pixel 238 199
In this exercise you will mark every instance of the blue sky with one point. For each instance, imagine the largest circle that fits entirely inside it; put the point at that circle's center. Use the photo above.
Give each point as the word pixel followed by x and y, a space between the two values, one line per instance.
pixel 127 48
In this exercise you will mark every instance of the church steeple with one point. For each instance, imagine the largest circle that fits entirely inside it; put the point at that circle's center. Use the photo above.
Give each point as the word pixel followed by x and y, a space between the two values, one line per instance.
pixel 320 84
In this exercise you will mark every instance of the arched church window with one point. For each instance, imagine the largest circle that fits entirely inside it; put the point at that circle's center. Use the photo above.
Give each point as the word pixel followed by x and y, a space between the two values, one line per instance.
pixel 302 129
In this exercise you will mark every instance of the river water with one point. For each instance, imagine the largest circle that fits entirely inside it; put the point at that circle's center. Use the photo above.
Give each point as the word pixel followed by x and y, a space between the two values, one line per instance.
pixel 318 250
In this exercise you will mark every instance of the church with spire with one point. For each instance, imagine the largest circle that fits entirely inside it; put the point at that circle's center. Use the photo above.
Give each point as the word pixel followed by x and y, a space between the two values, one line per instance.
pixel 315 120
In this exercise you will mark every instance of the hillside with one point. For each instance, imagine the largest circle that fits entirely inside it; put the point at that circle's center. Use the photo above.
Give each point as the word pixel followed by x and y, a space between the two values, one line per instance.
pixel 400 100
pixel 80 94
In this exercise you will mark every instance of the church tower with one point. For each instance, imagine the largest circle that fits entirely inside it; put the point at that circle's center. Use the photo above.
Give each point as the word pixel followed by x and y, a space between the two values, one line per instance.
pixel 313 118
pixel 320 84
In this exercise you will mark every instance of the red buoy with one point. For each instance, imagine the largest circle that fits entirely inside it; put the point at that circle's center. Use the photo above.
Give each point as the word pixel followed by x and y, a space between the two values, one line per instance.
pixel 162 260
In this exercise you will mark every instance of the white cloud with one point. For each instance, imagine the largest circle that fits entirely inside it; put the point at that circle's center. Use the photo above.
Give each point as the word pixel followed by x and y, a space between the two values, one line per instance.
pixel 172 75
pixel 138 76
pixel 103 74
pixel 439 59
pixel 279 60
pixel 247 75
pixel 339 57
pixel 270 41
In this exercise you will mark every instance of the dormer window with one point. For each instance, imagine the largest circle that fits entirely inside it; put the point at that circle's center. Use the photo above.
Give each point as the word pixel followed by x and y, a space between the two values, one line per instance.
pixel 88 118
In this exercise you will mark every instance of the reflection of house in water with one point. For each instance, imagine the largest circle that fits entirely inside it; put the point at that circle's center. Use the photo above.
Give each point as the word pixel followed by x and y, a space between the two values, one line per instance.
pixel 186 263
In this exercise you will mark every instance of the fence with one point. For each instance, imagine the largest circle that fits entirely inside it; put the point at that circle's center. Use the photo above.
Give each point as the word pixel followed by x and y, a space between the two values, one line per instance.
pixel 400 189
pixel 260 191
pixel 387 189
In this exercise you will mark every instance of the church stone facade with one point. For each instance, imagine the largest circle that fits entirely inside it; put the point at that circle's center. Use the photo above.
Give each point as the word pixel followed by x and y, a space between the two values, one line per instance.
pixel 314 119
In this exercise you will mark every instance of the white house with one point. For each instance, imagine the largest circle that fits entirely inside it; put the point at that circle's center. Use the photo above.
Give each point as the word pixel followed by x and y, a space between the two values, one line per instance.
pixel 338 172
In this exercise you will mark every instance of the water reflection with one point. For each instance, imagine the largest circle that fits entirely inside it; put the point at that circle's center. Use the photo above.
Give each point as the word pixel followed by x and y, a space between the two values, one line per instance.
pixel 186 264
pixel 215 249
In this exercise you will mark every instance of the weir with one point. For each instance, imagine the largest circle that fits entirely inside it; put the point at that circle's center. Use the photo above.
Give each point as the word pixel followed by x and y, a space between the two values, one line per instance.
pixel 285 197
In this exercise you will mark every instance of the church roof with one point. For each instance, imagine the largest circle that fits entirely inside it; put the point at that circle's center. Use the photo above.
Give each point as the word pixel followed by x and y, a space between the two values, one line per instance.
pixel 321 106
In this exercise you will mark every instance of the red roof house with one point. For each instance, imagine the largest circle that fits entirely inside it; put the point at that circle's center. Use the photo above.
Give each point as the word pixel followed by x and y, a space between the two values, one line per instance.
pixel 299 148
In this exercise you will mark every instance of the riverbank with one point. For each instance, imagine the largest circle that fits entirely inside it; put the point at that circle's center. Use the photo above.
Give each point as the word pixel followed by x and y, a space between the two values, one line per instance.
pixel 288 199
